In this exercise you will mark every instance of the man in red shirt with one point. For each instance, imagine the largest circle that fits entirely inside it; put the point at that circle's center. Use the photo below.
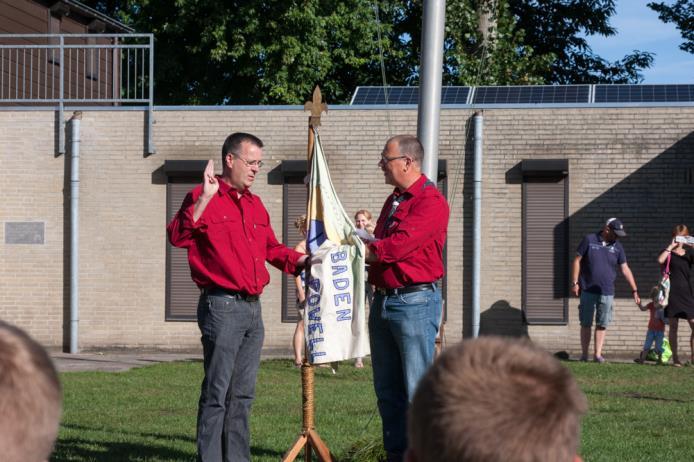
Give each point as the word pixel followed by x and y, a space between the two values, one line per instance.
pixel 406 261
pixel 227 232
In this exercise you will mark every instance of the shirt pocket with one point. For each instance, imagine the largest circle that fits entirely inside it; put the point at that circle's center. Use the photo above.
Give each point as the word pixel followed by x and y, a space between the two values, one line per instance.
pixel 260 229
pixel 221 228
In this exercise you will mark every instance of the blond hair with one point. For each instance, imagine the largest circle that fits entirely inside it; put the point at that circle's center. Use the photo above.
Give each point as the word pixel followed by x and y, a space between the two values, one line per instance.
pixel 369 226
pixel 364 212
pixel 30 398
pixel 680 230
pixel 300 223
pixel 494 399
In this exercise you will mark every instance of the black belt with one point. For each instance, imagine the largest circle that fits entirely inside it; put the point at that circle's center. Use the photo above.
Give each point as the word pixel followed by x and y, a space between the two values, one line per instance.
pixel 406 289
pixel 235 294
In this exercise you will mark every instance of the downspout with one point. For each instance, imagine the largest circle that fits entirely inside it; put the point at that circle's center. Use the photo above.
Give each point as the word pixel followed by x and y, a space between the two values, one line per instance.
pixel 429 108
pixel 477 225
pixel 74 229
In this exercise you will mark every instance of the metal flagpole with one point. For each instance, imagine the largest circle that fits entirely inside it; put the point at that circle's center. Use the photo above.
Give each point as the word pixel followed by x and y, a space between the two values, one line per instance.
pixel 308 438
pixel 429 108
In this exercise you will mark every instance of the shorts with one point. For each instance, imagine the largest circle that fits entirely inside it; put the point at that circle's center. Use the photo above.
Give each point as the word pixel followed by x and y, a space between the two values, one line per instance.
pixel 595 305
pixel 656 335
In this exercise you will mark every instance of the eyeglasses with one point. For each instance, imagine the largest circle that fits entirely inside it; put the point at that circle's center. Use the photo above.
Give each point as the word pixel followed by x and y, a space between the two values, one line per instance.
pixel 384 160
pixel 249 163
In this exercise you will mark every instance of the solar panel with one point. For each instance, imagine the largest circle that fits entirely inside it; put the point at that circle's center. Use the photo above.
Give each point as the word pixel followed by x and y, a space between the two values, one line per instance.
pixel 532 94
pixel 406 95
pixel 536 94
pixel 643 93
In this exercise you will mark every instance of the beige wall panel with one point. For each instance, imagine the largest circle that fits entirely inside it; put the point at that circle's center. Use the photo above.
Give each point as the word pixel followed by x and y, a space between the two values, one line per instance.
pixel 621 161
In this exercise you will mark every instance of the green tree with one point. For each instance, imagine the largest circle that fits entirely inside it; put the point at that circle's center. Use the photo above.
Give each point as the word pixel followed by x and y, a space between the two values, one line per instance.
pixel 560 28
pixel 258 52
pixel 486 47
pixel 529 42
pixel 681 13
pixel 275 51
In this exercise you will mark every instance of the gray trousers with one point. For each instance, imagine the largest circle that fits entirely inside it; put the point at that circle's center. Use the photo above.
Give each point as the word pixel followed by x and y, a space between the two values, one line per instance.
pixel 232 337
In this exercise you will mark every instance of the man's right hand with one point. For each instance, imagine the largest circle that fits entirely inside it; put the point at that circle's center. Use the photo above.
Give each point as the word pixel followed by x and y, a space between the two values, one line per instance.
pixel 210 186
pixel 575 290
pixel 209 181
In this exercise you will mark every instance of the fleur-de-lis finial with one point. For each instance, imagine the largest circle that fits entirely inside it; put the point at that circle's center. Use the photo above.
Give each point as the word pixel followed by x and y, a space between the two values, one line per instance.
pixel 316 106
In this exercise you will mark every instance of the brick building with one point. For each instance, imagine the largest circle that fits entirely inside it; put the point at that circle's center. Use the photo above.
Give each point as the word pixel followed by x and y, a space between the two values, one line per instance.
pixel 551 173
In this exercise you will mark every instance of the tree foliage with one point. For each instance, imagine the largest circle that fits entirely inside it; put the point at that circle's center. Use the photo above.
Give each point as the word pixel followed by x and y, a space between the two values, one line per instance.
pixel 276 51
pixel 560 27
pixel 681 13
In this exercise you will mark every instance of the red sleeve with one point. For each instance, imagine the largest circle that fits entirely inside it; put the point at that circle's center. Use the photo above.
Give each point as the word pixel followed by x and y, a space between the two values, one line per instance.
pixel 279 255
pixel 424 222
pixel 182 228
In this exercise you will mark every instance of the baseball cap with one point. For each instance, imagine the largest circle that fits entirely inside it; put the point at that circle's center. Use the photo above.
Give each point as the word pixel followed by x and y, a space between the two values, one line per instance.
pixel 616 225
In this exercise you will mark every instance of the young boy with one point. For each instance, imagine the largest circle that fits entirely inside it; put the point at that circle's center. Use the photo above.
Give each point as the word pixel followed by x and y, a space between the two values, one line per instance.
pixel 656 327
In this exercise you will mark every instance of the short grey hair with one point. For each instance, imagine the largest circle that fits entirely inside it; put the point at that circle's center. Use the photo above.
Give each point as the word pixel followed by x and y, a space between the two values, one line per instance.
pixel 409 146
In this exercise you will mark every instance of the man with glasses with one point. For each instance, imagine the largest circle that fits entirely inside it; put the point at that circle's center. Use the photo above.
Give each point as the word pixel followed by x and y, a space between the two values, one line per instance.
pixel 593 273
pixel 227 232
pixel 406 261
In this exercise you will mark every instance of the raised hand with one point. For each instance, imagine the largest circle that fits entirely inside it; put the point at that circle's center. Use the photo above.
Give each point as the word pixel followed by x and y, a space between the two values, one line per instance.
pixel 210 186
pixel 209 181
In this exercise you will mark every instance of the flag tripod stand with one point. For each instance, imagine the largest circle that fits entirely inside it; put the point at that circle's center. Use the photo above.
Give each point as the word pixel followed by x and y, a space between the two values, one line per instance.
pixel 308 438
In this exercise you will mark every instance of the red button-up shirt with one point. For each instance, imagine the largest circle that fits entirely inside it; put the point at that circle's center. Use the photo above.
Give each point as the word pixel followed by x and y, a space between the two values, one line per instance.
pixel 410 246
pixel 231 241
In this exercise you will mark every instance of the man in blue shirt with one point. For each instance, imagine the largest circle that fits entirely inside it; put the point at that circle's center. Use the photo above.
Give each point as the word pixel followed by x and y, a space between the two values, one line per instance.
pixel 597 258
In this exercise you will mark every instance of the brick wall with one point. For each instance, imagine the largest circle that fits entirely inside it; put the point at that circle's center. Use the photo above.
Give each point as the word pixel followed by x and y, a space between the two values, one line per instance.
pixel 628 162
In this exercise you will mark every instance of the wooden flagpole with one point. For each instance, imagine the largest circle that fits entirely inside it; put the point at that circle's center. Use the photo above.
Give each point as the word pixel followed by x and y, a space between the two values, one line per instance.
pixel 308 438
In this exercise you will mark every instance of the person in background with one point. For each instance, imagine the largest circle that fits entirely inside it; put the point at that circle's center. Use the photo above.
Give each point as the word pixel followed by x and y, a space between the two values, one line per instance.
pixel 300 283
pixel 593 273
pixel 656 328
pixel 495 399
pixel 681 301
pixel 362 220
pixel 30 398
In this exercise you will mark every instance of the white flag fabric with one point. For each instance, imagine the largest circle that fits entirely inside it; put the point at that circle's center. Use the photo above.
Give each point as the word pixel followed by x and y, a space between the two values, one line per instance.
pixel 334 318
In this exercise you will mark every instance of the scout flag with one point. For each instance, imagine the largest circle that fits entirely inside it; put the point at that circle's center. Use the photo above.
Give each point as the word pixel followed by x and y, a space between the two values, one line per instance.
pixel 334 318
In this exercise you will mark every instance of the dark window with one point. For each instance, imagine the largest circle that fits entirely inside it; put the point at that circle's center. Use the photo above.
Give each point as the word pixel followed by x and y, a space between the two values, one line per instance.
pixel 294 193
pixel 545 242
pixel 181 292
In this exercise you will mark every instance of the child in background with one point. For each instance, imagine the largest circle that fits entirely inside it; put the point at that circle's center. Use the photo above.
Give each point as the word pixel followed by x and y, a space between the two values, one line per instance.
pixel 300 281
pixel 656 328
pixel 362 220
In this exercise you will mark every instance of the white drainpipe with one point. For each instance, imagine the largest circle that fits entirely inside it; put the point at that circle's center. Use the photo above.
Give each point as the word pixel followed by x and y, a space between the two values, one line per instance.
pixel 74 229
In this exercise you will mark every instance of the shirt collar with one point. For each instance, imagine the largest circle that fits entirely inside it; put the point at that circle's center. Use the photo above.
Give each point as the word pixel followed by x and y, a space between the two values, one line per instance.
pixel 225 188
pixel 414 189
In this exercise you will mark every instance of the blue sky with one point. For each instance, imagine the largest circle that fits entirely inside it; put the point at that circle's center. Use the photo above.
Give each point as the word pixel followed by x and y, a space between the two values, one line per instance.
pixel 638 28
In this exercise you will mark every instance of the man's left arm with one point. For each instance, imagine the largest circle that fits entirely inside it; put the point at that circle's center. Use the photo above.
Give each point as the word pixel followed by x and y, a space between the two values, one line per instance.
pixel 628 275
pixel 282 257
pixel 421 225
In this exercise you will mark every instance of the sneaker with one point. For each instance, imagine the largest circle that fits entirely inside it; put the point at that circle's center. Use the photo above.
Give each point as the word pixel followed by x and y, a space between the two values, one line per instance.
pixel 599 359
pixel 584 359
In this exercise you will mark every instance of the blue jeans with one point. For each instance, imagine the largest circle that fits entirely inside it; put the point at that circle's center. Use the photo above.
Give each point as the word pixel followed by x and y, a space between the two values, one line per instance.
pixel 654 336
pixel 402 331
pixel 232 337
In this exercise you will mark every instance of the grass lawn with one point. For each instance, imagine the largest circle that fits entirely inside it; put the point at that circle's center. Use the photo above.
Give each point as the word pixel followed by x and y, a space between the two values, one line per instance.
pixel 636 412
